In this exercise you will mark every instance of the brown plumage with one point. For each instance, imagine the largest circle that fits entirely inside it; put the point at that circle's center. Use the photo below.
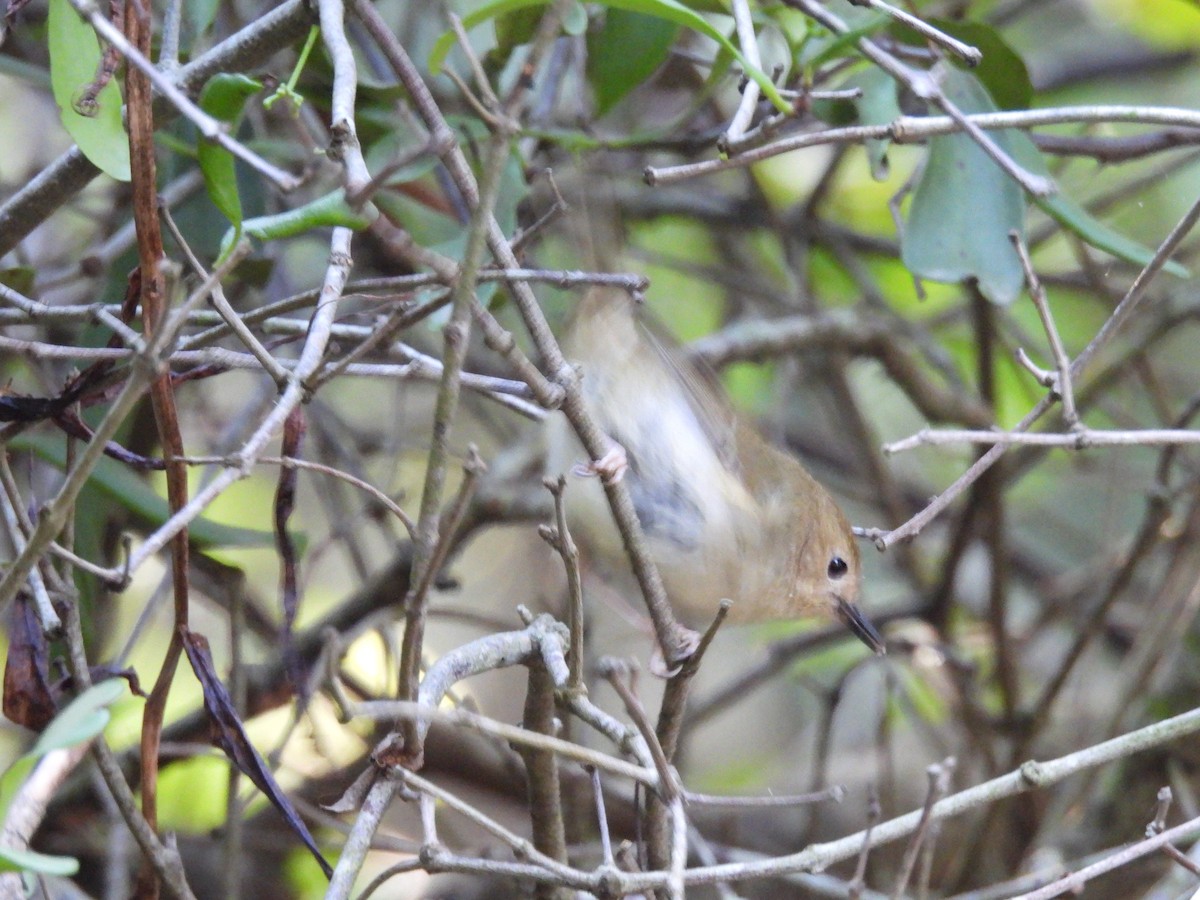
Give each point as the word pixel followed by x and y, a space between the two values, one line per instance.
pixel 726 514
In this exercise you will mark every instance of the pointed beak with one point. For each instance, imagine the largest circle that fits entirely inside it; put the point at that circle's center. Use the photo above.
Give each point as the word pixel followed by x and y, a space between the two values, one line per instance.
pixel 852 617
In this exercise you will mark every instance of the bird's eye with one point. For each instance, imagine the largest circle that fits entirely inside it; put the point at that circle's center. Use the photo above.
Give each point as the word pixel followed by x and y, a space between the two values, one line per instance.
pixel 837 567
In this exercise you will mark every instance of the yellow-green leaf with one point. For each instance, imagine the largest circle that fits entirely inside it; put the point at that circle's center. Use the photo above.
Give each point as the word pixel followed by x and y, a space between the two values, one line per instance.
pixel 74 58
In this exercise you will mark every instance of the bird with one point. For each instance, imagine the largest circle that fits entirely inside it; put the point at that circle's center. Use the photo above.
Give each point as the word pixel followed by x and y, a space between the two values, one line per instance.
pixel 726 515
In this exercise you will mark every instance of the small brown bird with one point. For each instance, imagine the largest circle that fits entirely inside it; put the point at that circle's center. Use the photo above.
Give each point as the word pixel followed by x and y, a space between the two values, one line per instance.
pixel 726 515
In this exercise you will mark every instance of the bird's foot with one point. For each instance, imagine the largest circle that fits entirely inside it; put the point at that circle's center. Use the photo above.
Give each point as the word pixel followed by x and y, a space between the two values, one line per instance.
pixel 610 467
pixel 689 643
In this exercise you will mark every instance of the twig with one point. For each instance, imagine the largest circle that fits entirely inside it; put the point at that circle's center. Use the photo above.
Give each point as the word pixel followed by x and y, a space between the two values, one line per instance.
pixel 1031 775
pixel 1116 322
pixel 27 807
pixel 1082 439
pixel 48 619
pixel 542 777
pixel 345 147
pixel 925 86
pixel 72 172
pixel 614 671
pixel 750 91
pixel 358 842
pixel 163 857
pixel 939 781
pixel 968 54
pixel 909 129
pixel 383 710
pixel 606 853
pixel 310 357
pixel 1160 824
pixel 226 311
pixel 209 128
pixel 835 792
pixel 1073 883
pixel 1062 362
pixel 559 537
pixel 675 640
pixel 874 814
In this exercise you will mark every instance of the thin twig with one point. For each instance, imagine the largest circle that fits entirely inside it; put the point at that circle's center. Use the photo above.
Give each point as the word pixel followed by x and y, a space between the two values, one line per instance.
pixel 1062 362
pixel 1130 303
pixel 939 781
pixel 750 91
pixel 968 54
pixel 874 814
pixel 211 129
pixel 909 129
pixel 1082 439
pixel 559 537
pixel 1074 883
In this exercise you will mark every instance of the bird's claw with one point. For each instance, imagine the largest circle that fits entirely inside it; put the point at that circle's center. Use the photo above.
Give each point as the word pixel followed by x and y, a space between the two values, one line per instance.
pixel 610 467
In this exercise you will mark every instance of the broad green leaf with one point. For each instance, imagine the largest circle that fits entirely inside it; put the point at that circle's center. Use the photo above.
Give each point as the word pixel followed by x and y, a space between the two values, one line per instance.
pixel 14 860
pixel 625 52
pixel 670 10
pixel 74 57
pixel 1001 70
pixel 965 206
pixel 123 486
pixel 878 105
pixel 223 98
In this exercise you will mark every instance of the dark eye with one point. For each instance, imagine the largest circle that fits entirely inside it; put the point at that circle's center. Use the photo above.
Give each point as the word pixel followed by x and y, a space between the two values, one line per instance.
pixel 837 567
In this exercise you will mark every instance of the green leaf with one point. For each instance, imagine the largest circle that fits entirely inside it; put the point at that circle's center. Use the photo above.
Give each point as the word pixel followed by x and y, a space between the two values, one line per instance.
pixel 330 211
pixel 1070 215
pixel 14 860
pixel 821 45
pixel 220 180
pixel 878 105
pixel 514 29
pixel 123 486
pixel 224 96
pixel 1073 217
pixel 965 206
pixel 1001 70
pixel 670 10
pixel 74 57
pixel 82 719
pixel 625 52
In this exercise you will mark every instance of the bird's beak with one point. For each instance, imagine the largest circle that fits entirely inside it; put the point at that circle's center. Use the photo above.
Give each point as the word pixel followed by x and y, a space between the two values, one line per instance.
pixel 858 623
